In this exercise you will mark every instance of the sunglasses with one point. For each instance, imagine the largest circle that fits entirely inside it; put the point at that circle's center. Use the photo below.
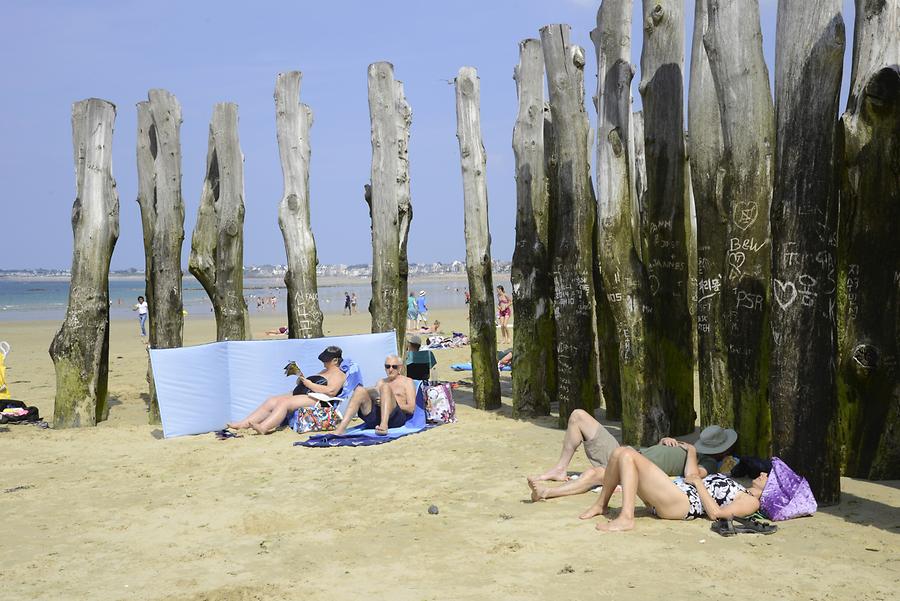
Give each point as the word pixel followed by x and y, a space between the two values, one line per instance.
pixel 389 366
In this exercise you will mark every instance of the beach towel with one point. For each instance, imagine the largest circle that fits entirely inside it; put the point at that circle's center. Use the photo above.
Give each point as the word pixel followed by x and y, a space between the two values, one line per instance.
pixel 787 494
pixel 359 436
pixel 202 388
pixel 468 367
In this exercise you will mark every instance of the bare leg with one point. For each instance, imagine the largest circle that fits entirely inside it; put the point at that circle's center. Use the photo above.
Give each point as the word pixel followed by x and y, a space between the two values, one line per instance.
pixel 260 413
pixel 284 406
pixel 387 406
pixel 581 427
pixel 359 399
pixel 588 480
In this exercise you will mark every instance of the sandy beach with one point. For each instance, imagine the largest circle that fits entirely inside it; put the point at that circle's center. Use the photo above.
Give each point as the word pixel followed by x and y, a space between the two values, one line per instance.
pixel 117 512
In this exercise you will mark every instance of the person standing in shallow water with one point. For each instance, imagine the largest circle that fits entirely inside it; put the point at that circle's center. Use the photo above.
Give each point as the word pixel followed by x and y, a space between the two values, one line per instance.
pixel 142 309
pixel 347 303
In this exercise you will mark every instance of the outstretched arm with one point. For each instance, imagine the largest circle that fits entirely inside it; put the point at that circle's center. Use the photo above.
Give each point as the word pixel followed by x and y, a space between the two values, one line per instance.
pixel 744 504
pixel 331 389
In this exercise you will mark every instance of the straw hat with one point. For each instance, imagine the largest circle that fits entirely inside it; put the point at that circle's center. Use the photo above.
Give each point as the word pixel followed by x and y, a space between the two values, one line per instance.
pixel 715 439
pixel 421 293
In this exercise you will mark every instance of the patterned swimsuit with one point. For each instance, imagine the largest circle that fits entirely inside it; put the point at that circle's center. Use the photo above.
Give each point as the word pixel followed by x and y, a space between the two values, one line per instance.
pixel 721 488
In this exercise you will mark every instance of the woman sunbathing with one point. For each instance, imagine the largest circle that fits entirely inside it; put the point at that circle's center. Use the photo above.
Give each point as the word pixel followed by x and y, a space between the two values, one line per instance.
pixel 715 495
pixel 272 412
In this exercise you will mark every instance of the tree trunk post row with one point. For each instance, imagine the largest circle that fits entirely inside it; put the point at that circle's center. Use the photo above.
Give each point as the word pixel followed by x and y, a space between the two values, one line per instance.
pixel 389 200
pixel 293 121
pixel 619 242
pixel 573 217
pixel 534 378
pixel 482 331
pixel 668 334
pixel 162 216
pixel 80 349
pixel 868 254
pixel 217 245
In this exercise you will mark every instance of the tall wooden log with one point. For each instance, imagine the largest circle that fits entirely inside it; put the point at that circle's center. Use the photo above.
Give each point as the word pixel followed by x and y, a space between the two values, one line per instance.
pixel 80 349
pixel 619 249
pixel 217 246
pixel 868 252
pixel 482 332
pixel 574 216
pixel 389 200
pixel 668 333
pixel 292 123
pixel 808 64
pixel 532 286
pixel 733 43
pixel 639 169
pixel 705 150
pixel 162 217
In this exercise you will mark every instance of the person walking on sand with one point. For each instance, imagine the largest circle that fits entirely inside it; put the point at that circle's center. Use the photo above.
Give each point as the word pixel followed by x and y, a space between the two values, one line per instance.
pixel 353 302
pixel 389 404
pixel 142 311
pixel 412 312
pixel 504 310
pixel 421 309
pixel 347 308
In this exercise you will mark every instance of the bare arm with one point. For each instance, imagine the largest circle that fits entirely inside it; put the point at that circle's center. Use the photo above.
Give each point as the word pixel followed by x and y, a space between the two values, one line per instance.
pixel 744 504
pixel 408 405
pixel 331 389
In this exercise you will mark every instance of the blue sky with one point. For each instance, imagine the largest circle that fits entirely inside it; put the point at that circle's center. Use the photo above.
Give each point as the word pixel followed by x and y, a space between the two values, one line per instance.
pixel 207 52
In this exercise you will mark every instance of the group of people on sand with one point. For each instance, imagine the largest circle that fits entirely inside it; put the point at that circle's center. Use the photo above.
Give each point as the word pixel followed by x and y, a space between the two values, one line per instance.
pixel 646 473
pixel 388 404
pixel 416 310
pixel 350 302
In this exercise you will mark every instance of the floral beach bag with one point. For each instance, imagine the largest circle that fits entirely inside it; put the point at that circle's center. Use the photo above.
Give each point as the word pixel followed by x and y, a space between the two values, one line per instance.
pixel 787 495
pixel 439 405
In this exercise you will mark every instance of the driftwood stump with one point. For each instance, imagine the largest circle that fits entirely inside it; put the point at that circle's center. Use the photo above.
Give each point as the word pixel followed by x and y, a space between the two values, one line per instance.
pixel 292 123
pixel 733 42
pixel 573 216
pixel 534 378
pixel 482 331
pixel 162 216
pixel 868 252
pixel 668 334
pixel 389 200
pixel 217 246
pixel 80 349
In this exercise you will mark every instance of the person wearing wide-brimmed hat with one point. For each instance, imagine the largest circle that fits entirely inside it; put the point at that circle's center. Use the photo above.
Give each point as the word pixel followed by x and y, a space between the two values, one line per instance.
pixel 272 412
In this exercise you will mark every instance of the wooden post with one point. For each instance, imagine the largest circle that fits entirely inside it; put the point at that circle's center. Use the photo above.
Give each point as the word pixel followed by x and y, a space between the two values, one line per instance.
pixel 573 236
pixel 80 349
pixel 292 123
pixel 808 65
pixel 668 333
pixel 733 43
pixel 705 150
pixel 619 238
pixel 162 216
pixel 482 332
pixel 217 246
pixel 532 286
pixel 389 200
pixel 868 252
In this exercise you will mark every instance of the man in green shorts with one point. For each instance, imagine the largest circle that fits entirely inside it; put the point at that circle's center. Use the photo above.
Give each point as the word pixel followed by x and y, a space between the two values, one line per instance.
pixel 713 444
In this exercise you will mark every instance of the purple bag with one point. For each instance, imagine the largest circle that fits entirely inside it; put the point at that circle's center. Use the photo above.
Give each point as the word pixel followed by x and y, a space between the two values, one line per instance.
pixel 787 495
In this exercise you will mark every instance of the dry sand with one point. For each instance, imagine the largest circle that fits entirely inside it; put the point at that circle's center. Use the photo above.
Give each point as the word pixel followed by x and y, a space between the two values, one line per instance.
pixel 116 512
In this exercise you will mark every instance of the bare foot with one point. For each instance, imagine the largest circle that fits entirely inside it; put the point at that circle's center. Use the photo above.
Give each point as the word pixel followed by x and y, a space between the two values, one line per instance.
pixel 538 490
pixel 238 425
pixel 340 430
pixel 381 430
pixel 258 428
pixel 620 524
pixel 593 511
pixel 556 474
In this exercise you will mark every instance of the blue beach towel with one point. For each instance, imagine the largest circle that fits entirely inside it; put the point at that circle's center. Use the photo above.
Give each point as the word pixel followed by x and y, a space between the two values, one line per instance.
pixel 468 367
pixel 358 436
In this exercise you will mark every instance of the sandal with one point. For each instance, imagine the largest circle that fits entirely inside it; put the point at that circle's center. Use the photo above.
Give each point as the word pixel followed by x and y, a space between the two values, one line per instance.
pixel 750 525
pixel 226 434
pixel 723 527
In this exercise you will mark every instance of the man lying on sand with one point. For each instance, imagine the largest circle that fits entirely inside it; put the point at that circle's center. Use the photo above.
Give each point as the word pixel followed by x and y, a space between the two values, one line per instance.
pixel 388 405
pixel 668 455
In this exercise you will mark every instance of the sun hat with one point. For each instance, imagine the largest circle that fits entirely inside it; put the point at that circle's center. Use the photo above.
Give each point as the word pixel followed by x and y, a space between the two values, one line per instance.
pixel 414 339
pixel 421 293
pixel 331 352
pixel 715 439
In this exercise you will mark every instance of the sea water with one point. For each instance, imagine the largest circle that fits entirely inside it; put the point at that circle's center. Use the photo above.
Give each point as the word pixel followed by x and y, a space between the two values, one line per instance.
pixel 44 298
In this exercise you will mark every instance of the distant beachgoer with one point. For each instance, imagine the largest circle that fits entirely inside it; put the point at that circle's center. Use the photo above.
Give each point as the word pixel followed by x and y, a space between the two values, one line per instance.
pixel 504 358
pixel 277 331
pixel 142 309
pixel 504 310
pixel 411 312
pixel 347 305
pixel 389 404
pixel 421 309
pixel 468 296
pixel 426 329
pixel 353 302
pixel 272 412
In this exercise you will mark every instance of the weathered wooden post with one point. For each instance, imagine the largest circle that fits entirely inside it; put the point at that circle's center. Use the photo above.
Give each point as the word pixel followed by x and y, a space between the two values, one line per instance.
pixel 705 151
pixel 535 375
pixel 808 64
pixel 574 215
pixel 482 332
pixel 162 217
pixel 868 252
pixel 619 236
pixel 389 200
pixel 292 123
pixel 80 349
pixel 668 333
pixel 733 44
pixel 217 246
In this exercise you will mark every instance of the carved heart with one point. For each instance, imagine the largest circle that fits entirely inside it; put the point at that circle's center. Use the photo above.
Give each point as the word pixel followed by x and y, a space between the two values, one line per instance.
pixel 745 214
pixel 736 260
pixel 782 296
